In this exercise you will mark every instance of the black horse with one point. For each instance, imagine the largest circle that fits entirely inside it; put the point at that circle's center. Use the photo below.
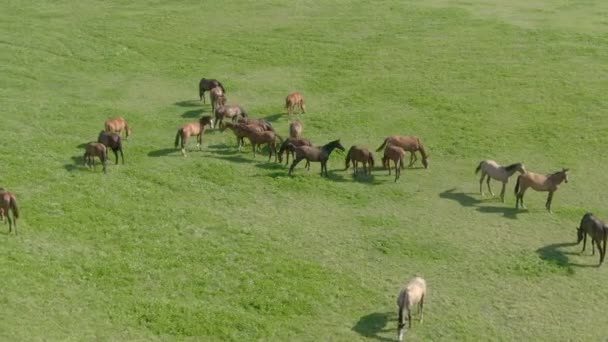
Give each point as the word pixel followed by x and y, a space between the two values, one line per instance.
pixel 112 141
pixel 315 154
pixel 208 84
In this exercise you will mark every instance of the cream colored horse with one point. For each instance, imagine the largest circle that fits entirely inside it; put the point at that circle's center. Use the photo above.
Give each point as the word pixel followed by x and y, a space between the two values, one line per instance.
pixel 539 182
pixel 413 294
pixel 492 169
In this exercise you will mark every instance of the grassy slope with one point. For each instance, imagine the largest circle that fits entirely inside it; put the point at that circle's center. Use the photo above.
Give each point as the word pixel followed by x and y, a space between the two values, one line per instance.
pixel 219 246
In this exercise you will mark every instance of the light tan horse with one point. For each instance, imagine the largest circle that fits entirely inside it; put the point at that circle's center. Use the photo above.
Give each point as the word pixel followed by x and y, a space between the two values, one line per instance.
pixel 396 154
pixel 228 112
pixel 492 169
pixel 295 129
pixel 8 205
pixel 538 182
pixel 358 154
pixel 118 125
pixel 218 98
pixel 292 100
pixel 410 144
pixel 413 294
pixel 196 128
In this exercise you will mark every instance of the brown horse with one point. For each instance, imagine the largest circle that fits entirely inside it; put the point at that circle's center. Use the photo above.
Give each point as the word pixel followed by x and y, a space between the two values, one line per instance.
pixel 315 154
pixel 539 182
pixel 295 129
pixel 118 125
pixel 208 84
pixel 358 154
pixel 94 149
pixel 239 131
pixel 288 147
pixel 260 122
pixel 196 128
pixel 295 99
pixel 8 205
pixel 260 138
pixel 112 141
pixel 410 144
pixel 218 98
pixel 598 230
pixel 396 154
pixel 228 112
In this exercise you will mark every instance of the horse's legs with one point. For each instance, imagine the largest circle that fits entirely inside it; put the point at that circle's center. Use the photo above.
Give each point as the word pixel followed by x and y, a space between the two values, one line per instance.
pixel 184 142
pixel 253 146
pixel 322 167
pixel 483 175
pixel 412 156
pixel 295 162
pixel 421 305
pixel 490 189
pixel 409 317
pixel 122 156
pixel 397 170
pixel 307 165
pixel 116 155
pixel 502 192
pixel 584 241
pixel 549 200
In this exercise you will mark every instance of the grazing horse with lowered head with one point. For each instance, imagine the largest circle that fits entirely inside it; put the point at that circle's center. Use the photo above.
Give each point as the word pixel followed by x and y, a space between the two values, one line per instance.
pixel 260 122
pixel 218 98
pixel 112 141
pixel 539 182
pixel 92 150
pixel 412 295
pixel 358 154
pixel 396 154
pixel 8 208
pixel 118 125
pixel 315 154
pixel 196 128
pixel 408 143
pixel 288 147
pixel 501 173
pixel 239 131
pixel 259 138
pixel 294 100
pixel 295 129
pixel 208 84
pixel 228 112
pixel 598 230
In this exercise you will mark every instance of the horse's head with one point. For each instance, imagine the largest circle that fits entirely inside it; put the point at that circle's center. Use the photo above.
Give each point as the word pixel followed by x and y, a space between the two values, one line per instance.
pixel 565 172
pixel 579 235
pixel 522 168
pixel 338 145
pixel 425 161
pixel 206 120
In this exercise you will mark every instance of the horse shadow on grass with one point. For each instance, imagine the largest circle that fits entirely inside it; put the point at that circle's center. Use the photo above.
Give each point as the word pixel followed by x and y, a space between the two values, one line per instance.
pixel 468 200
pixel 371 325
pixel 195 113
pixel 553 254
pixel 235 158
pixel 188 103
pixel 163 152
pixel 274 117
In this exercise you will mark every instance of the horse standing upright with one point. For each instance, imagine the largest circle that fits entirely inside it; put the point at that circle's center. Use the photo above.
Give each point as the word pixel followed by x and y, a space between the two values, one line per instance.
pixel 208 84
pixel 295 129
pixel 539 182
pixel 396 154
pixel 118 125
pixel 228 112
pixel 410 144
pixel 218 98
pixel 294 100
pixel 288 147
pixel 93 150
pixel 492 169
pixel 196 128
pixel 112 141
pixel 358 154
pixel 598 230
pixel 315 154
pixel 8 208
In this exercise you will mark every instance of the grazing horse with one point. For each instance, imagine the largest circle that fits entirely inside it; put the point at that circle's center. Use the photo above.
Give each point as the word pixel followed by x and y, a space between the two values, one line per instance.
pixel 358 154
pixel 8 205
pixel 315 154
pixel 218 98
pixel 492 169
pixel 112 141
pixel 396 154
pixel 93 150
pixel 413 294
pixel 295 99
pixel 118 125
pixel 295 129
pixel 260 122
pixel 410 144
pixel 598 230
pixel 239 131
pixel 228 112
pixel 208 84
pixel 288 146
pixel 259 138
pixel 196 128
pixel 539 182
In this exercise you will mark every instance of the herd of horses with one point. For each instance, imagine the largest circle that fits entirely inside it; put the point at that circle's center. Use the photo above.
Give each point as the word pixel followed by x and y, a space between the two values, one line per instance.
pixel 261 132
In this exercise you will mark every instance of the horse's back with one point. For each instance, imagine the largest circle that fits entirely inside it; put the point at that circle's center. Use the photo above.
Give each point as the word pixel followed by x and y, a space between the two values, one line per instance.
pixel 413 292
pixel 407 142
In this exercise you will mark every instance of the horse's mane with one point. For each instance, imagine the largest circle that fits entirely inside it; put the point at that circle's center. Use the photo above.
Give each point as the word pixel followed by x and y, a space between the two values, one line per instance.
pixel 512 166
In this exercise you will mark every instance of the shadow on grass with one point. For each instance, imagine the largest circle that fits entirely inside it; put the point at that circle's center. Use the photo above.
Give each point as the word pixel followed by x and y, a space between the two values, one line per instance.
pixel 274 117
pixel 468 200
pixel 193 113
pixel 465 199
pixel 370 325
pixel 270 165
pixel 163 152
pixel 236 159
pixel 552 253
pixel 189 103
pixel 77 164
pixel 508 212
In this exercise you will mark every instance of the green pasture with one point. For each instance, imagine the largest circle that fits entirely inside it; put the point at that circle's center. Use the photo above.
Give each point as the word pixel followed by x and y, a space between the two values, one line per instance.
pixel 222 246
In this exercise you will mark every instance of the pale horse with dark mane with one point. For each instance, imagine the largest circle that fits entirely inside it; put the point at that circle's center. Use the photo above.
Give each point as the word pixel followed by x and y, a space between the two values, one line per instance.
pixel 492 169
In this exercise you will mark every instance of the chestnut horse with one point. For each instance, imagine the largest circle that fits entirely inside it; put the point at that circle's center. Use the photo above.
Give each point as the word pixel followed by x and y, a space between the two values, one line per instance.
pixel 112 141
pixel 295 129
pixel 288 146
pixel 358 154
pixel 196 128
pixel 539 182
pixel 92 150
pixel 218 98
pixel 229 112
pixel 260 122
pixel 239 131
pixel 208 84
pixel 315 154
pixel 501 173
pixel 396 154
pixel 259 138
pixel 118 125
pixel 295 99
pixel 8 205
pixel 598 230
pixel 410 144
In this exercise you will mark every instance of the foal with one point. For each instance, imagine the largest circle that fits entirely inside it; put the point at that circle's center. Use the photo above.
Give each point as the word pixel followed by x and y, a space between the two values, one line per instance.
pixel 295 129
pixel 112 141
pixel 408 143
pixel 117 125
pixel 8 205
pixel 315 154
pixel 93 150
pixel 292 100
pixel 396 154
pixel 218 98
pixel 492 169
pixel 358 154
pixel 196 128
pixel 228 112
pixel 598 230
pixel 413 294
pixel 539 182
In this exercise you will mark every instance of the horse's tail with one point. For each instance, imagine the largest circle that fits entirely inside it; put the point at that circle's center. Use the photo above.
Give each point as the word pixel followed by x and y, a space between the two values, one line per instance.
pixel 287 102
pixel 478 167
pixel 382 146
pixel 15 209
pixel 347 160
pixel 177 136
pixel 517 185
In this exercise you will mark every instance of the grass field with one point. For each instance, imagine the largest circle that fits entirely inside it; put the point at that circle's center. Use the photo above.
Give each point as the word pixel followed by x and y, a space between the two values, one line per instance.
pixel 219 246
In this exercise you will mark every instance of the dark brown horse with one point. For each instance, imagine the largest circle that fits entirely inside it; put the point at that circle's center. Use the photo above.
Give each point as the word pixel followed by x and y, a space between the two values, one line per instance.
pixel 118 125
pixel 538 182
pixel 598 230
pixel 315 154
pixel 8 206
pixel 228 112
pixel 358 154
pixel 396 154
pixel 294 100
pixel 196 128
pixel 288 147
pixel 410 144
pixel 112 141
pixel 93 150
pixel 260 138
pixel 208 84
